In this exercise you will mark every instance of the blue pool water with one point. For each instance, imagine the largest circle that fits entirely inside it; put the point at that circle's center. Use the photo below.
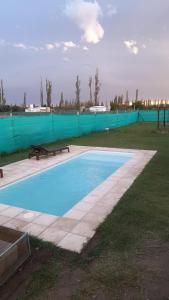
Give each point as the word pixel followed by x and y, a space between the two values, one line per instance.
pixel 59 188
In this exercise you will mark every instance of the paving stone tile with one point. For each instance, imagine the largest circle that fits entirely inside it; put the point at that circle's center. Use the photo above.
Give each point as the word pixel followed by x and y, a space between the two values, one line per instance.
pixel 92 198
pixel 45 219
pixel 84 229
pixel 4 219
pixel 3 207
pixel 28 215
pixel 34 229
pixel 12 211
pixel 16 224
pixel 93 219
pixel 101 209
pixel 52 235
pixel 84 206
pixel 75 214
pixel 73 242
pixel 65 224
pixel 109 202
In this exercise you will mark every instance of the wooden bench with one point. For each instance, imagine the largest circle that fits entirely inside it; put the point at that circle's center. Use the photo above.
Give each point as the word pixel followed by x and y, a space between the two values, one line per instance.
pixel 38 151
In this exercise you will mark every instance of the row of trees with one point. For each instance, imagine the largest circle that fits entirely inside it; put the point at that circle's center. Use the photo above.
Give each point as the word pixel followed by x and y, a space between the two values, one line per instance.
pixel 46 98
pixel 76 103
pixel 121 102
pixel 94 85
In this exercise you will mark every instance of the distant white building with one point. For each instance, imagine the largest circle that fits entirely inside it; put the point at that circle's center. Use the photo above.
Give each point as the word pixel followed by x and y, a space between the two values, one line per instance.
pixel 99 108
pixel 37 109
pixel 155 102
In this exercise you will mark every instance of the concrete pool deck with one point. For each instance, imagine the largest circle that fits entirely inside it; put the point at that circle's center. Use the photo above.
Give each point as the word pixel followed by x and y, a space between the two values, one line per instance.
pixel 78 225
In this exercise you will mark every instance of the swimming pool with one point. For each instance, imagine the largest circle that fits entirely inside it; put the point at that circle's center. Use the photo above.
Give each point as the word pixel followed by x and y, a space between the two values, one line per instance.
pixel 56 190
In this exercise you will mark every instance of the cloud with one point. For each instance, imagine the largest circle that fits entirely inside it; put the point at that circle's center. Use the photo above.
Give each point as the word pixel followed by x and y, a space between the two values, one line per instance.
pixel 64 45
pixel 69 45
pixel 33 48
pixel 25 47
pixel 57 45
pixel 85 48
pixel 20 45
pixel 144 46
pixel 132 47
pixel 86 16
pixel 50 46
pixel 111 10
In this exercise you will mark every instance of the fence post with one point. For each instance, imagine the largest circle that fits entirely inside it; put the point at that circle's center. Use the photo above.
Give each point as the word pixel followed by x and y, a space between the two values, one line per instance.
pixel 158 118
pixel 78 127
pixel 52 133
pixel 164 121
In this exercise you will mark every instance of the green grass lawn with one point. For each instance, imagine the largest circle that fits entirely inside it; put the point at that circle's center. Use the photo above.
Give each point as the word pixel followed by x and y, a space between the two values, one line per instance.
pixel 128 257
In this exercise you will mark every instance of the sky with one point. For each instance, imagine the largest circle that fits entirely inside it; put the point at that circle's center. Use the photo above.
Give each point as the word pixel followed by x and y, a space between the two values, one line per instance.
pixel 127 40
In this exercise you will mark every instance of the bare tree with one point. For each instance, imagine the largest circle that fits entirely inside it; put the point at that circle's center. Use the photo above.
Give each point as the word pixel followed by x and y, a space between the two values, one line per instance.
pixel 97 88
pixel 48 93
pixel 2 94
pixel 90 88
pixel 61 103
pixel 24 100
pixel 41 93
pixel 127 97
pixel 77 85
pixel 136 95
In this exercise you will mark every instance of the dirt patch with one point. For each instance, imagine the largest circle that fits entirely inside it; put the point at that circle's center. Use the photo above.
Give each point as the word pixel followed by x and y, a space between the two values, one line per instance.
pixel 18 282
pixel 76 283
pixel 153 279
pixel 155 270
pixel 69 281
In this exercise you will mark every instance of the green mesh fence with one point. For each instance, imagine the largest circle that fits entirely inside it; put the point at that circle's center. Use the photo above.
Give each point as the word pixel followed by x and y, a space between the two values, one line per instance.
pixel 19 132
pixel 151 115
